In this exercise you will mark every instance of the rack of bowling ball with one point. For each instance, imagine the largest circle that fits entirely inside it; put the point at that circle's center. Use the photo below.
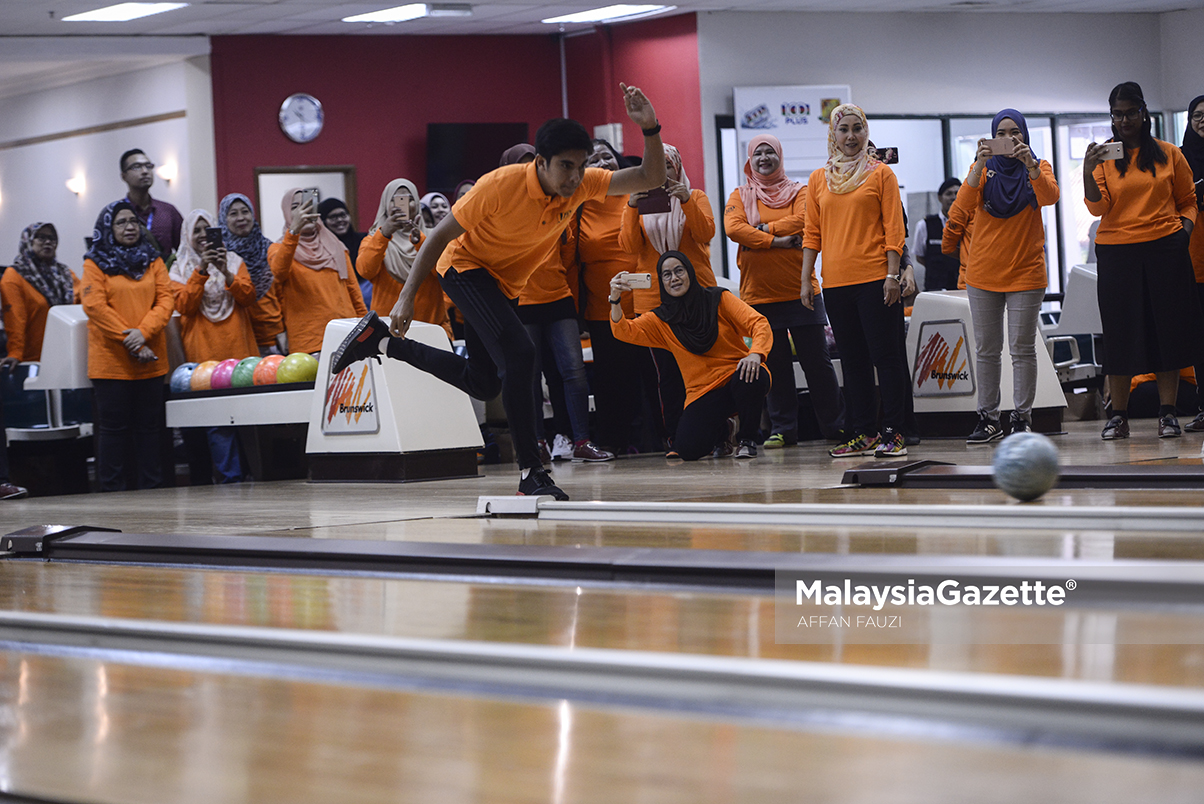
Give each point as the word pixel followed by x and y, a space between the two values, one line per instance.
pixel 299 368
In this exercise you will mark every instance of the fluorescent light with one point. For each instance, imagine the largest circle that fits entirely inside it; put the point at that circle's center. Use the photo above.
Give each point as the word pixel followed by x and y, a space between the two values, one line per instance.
pixel 123 12
pixel 398 14
pixel 611 14
pixel 449 10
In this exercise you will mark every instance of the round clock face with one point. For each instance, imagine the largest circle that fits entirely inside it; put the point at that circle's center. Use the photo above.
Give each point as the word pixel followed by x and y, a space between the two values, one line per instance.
pixel 301 117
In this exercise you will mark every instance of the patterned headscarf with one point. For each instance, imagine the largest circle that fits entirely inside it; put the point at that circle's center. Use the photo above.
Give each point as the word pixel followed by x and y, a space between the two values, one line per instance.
pixel 774 191
pixel 253 247
pixel 846 173
pixel 399 256
pixel 54 281
pixel 321 248
pixel 664 229
pixel 113 258
pixel 217 303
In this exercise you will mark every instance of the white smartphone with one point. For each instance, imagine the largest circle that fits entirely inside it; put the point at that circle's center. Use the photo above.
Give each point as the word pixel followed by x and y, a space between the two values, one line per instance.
pixel 1112 150
pixel 638 280
pixel 1001 146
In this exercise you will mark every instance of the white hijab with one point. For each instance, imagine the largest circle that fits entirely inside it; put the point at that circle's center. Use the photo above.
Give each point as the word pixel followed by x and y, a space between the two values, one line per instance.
pixel 217 303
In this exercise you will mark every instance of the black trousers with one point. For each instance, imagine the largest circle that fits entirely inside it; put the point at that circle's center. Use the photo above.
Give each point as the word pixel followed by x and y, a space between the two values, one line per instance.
pixel 703 423
pixel 1199 367
pixel 130 424
pixel 617 385
pixel 501 356
pixel 868 334
pixel 666 390
pixel 811 347
pixel 3 446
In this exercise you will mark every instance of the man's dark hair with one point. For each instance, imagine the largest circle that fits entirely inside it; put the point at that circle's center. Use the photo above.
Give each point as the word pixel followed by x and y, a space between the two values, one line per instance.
pixel 128 154
pixel 561 134
pixel 1151 155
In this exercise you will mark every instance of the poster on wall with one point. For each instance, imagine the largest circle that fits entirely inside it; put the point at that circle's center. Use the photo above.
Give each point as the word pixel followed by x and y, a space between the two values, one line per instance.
pixel 796 115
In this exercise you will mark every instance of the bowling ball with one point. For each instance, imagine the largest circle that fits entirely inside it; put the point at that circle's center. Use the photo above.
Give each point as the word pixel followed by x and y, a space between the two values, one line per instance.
pixel 265 370
pixel 298 367
pixel 1025 465
pixel 222 374
pixel 181 378
pixel 201 375
pixel 244 373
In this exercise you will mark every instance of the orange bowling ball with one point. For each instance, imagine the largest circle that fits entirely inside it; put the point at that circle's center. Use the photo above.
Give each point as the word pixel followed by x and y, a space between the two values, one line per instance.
pixel 202 374
pixel 265 370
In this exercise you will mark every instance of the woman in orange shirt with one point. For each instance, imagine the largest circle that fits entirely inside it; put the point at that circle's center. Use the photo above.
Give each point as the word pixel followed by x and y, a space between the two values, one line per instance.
pixel 766 217
pixel 128 298
pixel 317 280
pixel 855 218
pixel 1193 151
pixel 704 329
pixel 241 234
pixel 35 283
pixel 1148 302
pixel 1007 270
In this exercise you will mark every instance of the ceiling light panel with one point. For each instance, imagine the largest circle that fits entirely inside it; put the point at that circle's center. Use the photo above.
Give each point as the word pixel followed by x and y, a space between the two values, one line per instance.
pixel 411 11
pixel 610 14
pixel 124 12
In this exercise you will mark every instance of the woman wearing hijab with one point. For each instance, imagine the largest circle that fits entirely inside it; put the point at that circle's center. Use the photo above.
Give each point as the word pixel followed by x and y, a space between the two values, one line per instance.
pixel 855 218
pixel 34 283
pixel 435 207
pixel 462 189
pixel 687 227
pixel 388 252
pixel 766 217
pixel 1148 303
pixel 316 277
pixel 1006 271
pixel 1193 151
pixel 704 328
pixel 128 299
pixel 241 235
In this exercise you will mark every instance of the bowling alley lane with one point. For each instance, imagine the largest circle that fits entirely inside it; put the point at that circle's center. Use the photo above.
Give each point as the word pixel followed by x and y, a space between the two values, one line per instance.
pixel 78 729
pixel 1086 644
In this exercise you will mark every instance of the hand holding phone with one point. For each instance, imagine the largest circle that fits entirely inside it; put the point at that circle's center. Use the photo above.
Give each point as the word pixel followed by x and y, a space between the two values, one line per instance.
pixel 654 201
pixel 888 156
pixel 638 280
pixel 213 235
pixel 1000 146
pixel 1110 151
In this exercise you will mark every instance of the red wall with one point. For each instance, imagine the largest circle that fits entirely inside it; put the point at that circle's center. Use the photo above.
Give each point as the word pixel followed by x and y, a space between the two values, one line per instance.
pixel 378 93
pixel 660 56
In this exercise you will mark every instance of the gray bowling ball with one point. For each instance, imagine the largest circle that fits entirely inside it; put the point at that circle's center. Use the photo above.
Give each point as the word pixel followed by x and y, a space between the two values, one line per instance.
pixel 1025 465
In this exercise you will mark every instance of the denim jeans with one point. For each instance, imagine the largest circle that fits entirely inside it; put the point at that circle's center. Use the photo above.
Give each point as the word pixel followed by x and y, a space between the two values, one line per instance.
pixel 563 339
pixel 227 457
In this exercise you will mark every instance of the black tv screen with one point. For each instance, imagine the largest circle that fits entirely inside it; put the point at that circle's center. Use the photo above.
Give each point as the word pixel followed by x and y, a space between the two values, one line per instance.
pixel 459 151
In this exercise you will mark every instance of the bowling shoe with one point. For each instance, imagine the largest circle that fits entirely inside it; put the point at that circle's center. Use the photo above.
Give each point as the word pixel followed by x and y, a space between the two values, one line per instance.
pixel 361 343
pixel 1116 429
pixel 10 491
pixel 539 483
pixel 589 452
pixel 747 449
pixel 1168 427
pixel 1196 425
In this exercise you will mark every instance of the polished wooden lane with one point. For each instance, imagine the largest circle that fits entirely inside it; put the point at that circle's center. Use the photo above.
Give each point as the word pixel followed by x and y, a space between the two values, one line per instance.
pixel 100 731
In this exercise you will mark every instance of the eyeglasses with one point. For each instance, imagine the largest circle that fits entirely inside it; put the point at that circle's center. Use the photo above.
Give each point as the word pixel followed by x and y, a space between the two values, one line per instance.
pixel 140 166
pixel 126 223
pixel 48 239
pixel 1132 114
pixel 1196 117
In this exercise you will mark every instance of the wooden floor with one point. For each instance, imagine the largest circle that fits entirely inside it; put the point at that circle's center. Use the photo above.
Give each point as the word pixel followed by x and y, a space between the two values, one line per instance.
pixel 123 725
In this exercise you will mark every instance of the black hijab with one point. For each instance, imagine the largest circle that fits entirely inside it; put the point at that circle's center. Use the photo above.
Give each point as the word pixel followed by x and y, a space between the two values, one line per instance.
pixel 352 238
pixel 1193 143
pixel 694 317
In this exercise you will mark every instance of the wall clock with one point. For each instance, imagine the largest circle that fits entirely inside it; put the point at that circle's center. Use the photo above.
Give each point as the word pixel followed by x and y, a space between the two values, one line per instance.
pixel 301 117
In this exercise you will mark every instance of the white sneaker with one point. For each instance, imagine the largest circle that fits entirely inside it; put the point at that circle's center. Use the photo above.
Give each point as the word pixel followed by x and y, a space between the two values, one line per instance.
pixel 562 448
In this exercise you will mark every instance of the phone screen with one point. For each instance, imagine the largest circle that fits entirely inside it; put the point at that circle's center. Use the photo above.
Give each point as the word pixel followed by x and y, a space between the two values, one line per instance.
pixel 214 236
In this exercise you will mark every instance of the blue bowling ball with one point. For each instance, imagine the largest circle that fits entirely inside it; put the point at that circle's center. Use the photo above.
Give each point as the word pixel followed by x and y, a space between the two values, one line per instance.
pixel 1025 465
pixel 181 378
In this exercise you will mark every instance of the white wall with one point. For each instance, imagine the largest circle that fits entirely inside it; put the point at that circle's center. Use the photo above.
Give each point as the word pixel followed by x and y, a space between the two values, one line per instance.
pixel 1182 57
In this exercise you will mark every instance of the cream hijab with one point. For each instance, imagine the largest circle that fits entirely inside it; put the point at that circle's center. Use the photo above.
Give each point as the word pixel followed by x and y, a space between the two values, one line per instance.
pixel 319 249
pixel 846 173
pixel 217 303
pixel 399 256
pixel 664 229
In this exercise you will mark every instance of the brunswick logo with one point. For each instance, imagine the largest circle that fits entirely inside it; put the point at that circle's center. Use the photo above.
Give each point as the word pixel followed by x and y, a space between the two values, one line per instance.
pixel 350 405
pixel 942 366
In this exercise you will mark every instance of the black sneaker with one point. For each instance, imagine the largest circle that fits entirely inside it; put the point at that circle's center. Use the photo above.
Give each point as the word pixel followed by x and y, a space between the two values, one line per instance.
pixel 361 343
pixel 1019 424
pixel 539 483
pixel 988 430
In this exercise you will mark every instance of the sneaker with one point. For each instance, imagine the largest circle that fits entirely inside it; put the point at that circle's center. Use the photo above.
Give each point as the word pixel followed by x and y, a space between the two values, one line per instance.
pixel 747 449
pixel 723 450
pixel 1196 425
pixel 775 441
pixel 672 455
pixel 545 457
pixel 562 448
pixel 988 430
pixel 891 446
pixel 856 446
pixel 588 452
pixel 1116 428
pixel 361 343
pixel 539 483
pixel 1019 424
pixel 1168 427
pixel 11 491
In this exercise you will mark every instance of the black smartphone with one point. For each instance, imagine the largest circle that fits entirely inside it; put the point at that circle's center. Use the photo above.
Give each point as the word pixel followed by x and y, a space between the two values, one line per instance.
pixel 214 235
pixel 654 201
pixel 888 156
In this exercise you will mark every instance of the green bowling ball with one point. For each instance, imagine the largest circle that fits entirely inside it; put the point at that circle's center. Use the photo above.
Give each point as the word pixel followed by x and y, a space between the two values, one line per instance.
pixel 244 372
pixel 297 367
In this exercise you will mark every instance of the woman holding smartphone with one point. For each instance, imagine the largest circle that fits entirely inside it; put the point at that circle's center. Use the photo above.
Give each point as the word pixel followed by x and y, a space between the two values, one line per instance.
pixel 1004 192
pixel 1193 151
pixel 388 253
pixel 855 218
pixel 241 235
pixel 314 271
pixel 1148 302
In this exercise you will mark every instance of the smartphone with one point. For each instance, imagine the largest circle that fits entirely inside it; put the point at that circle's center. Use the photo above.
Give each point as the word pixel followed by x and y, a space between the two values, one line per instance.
pixel 214 236
pixel 888 156
pixel 1112 150
pixel 656 200
pixel 309 197
pixel 638 280
pixel 1001 146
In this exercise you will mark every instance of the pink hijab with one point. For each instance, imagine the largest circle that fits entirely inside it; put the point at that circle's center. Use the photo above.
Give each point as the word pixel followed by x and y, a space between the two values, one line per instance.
pixel 774 191
pixel 664 228
pixel 319 250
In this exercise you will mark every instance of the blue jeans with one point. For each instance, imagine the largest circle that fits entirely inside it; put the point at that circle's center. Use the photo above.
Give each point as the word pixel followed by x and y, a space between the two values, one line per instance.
pixel 227 458
pixel 563 338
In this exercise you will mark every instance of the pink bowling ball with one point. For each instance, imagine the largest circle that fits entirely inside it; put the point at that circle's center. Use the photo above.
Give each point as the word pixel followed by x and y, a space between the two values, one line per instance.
pixel 223 374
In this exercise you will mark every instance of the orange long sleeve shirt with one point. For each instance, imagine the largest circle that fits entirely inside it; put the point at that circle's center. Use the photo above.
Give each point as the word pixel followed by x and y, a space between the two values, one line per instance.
pixel 695 244
pixel 267 320
pixel 956 237
pixel 117 303
pixel 768 274
pixel 311 299
pixel 429 305
pixel 1010 252
pixel 25 310
pixel 1140 207
pixel 704 372
pixel 217 340
pixel 596 244
pixel 854 231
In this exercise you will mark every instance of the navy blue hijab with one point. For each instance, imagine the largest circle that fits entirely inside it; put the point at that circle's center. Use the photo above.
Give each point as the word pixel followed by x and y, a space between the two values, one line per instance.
pixel 1009 189
pixel 113 258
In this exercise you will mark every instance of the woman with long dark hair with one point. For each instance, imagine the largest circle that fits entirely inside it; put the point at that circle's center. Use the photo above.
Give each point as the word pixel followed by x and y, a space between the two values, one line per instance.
pixel 1148 301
